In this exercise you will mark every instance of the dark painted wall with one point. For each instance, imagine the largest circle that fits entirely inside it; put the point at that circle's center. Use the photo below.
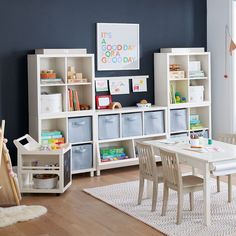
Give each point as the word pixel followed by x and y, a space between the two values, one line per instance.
pixel 29 24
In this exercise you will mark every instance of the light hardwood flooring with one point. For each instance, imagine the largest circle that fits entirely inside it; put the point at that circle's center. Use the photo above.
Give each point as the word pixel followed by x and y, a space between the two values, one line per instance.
pixel 76 213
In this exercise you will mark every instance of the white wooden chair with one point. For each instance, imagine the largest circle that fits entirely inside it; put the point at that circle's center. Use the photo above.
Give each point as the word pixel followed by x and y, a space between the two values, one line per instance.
pixel 148 170
pixel 226 138
pixel 174 180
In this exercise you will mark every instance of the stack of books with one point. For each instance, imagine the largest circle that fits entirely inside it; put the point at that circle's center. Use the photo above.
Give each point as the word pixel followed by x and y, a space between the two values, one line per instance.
pixel 74 104
pixel 50 138
pixel 113 154
pixel 196 74
pixel 52 81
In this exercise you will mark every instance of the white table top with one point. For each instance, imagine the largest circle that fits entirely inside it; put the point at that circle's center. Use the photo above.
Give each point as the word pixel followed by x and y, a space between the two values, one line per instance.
pixel 226 151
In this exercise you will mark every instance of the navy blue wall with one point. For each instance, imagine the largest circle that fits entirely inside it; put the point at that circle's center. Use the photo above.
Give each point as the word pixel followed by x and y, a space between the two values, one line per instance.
pixel 29 24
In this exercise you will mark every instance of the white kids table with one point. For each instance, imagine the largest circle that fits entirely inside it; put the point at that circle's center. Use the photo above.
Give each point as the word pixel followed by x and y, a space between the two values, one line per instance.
pixel 203 161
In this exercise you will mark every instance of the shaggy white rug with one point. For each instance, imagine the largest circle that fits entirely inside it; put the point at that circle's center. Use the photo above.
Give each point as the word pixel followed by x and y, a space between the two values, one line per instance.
pixel 223 214
pixel 12 215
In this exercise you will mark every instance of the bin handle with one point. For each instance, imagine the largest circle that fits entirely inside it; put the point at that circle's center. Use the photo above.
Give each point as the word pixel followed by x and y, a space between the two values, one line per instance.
pixel 131 118
pixel 154 117
pixel 81 150
pixel 78 123
pixel 109 120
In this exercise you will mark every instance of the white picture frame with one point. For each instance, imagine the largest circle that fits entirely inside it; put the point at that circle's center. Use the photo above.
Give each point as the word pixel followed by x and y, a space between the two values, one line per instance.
pixel 117 46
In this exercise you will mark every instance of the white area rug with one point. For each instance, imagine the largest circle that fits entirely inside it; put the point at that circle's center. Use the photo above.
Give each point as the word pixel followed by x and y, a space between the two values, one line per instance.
pixel 12 215
pixel 223 214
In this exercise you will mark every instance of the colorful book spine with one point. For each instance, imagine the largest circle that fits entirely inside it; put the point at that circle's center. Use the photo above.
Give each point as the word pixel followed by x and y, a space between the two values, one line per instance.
pixel 77 101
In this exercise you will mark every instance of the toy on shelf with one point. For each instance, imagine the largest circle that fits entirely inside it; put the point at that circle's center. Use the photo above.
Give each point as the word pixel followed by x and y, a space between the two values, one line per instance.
pixel 75 77
pixel 49 77
pixel 113 154
pixel 176 72
pixel 179 98
pixel 84 107
pixel 143 103
pixel 195 122
pixel 115 105
pixel 103 101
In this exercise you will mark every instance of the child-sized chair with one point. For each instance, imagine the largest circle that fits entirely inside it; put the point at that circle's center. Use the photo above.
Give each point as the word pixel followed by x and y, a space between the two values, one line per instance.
pixel 174 180
pixel 149 171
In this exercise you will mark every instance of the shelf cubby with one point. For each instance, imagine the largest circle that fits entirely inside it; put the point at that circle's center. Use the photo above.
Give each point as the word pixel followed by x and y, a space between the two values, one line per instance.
pixel 57 64
pixel 180 86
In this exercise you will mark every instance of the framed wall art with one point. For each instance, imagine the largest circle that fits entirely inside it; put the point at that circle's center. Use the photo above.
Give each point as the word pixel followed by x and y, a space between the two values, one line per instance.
pixel 117 46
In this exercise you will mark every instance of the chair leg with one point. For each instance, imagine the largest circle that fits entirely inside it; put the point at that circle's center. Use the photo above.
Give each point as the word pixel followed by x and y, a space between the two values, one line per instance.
pixel 191 200
pixel 154 195
pixel 218 183
pixel 229 188
pixel 141 187
pixel 165 199
pixel 180 208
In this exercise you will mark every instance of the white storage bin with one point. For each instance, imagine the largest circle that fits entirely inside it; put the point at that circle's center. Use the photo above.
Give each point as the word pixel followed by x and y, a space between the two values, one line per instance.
pixel 196 94
pixel 51 103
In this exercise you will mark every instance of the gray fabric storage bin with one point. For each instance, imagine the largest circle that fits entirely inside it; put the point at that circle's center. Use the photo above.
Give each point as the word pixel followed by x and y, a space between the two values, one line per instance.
pixel 82 157
pixel 178 120
pixel 131 124
pixel 108 127
pixel 80 129
pixel 154 122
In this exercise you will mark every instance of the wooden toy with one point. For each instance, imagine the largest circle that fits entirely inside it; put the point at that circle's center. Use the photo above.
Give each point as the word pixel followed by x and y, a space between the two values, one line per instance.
pixel 75 77
pixel 84 107
pixel 115 105
pixel 143 103
pixel 9 187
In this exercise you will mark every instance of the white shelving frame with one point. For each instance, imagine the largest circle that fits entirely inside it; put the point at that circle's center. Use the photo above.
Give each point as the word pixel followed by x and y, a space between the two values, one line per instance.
pixel 162 87
pixel 59 63
pixel 127 142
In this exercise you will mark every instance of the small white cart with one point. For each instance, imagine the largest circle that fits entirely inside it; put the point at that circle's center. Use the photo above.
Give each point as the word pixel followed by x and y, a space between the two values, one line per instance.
pixel 33 162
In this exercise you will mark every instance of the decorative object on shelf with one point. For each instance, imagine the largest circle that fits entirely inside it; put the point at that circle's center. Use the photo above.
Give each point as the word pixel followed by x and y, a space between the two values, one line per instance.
pixel 119 86
pixel 143 103
pixel 176 72
pixel 84 107
pixel 103 101
pixel 195 122
pixel 196 94
pixel 182 50
pixel 49 51
pixel 139 84
pixel 51 103
pixel 195 70
pixel 75 77
pixel 232 47
pixel 117 46
pixel 49 77
pixel 172 94
pixel 115 105
pixel 101 86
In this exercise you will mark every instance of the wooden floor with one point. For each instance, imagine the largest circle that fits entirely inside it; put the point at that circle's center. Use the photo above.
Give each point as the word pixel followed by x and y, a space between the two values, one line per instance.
pixel 78 214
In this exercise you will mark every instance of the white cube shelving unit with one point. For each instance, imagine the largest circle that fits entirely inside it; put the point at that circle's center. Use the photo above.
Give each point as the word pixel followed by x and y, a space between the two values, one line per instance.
pixel 38 121
pixel 163 84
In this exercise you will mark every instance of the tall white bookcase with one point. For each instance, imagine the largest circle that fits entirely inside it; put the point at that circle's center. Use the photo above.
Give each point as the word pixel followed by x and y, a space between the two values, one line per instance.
pixel 179 113
pixel 82 120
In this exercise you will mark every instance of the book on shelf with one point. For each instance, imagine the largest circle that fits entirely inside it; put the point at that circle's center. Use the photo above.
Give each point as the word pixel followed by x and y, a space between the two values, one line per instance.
pixel 52 81
pixel 74 104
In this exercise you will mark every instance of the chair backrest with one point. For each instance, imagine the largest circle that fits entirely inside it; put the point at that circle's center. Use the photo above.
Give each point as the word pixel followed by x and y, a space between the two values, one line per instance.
pixel 171 169
pixel 147 164
pixel 227 138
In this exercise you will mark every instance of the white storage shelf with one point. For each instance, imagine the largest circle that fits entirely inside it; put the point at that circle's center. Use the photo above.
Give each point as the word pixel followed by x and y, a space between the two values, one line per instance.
pixel 163 83
pixel 31 161
pixel 115 124
pixel 38 121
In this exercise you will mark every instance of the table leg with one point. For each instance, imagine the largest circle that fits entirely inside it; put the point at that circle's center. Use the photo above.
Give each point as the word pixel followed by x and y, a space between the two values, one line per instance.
pixel 206 196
